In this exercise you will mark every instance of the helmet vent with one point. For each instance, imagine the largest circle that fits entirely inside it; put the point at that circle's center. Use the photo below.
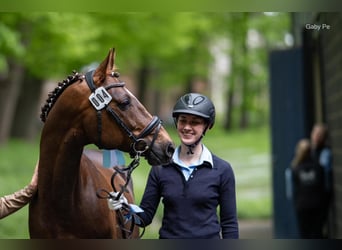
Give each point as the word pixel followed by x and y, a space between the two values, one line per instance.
pixel 198 100
pixel 191 103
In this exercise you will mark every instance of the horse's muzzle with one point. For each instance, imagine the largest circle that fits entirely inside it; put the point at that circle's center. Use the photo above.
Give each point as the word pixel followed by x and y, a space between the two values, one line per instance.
pixel 160 156
pixel 170 149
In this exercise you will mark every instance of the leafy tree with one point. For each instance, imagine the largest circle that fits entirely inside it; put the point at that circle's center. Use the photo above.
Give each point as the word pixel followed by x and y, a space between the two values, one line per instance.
pixel 250 37
pixel 43 45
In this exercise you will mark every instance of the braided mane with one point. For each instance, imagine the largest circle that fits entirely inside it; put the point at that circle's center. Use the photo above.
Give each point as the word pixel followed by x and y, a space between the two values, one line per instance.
pixel 53 95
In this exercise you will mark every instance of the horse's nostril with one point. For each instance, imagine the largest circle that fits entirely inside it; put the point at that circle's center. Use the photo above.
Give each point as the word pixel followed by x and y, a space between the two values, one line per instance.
pixel 170 150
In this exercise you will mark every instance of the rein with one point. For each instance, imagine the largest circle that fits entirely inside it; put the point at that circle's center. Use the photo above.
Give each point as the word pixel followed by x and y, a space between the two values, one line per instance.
pixel 123 188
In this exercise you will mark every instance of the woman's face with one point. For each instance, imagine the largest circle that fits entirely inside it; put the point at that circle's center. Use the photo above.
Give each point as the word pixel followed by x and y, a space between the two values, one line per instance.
pixel 190 128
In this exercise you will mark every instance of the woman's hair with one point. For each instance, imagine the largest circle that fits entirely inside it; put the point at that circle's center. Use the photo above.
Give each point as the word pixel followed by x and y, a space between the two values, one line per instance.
pixel 302 152
pixel 319 135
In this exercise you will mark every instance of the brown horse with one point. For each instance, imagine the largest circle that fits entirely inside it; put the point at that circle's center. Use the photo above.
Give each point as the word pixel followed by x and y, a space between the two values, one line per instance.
pixel 94 108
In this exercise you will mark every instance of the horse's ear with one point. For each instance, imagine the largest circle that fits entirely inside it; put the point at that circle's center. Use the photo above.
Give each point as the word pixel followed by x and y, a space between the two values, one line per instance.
pixel 106 66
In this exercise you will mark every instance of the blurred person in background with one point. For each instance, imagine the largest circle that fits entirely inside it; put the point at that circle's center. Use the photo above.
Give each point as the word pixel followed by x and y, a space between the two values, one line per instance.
pixel 322 154
pixel 309 183
pixel 308 192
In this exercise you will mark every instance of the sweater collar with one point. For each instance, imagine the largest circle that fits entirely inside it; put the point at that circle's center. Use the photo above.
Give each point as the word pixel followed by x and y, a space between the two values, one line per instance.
pixel 206 157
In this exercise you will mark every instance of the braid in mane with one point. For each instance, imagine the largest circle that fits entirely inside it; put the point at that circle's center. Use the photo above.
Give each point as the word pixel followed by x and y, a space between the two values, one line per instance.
pixel 53 95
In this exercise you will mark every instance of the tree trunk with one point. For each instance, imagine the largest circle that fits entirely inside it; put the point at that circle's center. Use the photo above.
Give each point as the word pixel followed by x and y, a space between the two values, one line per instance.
pixel 156 102
pixel 26 120
pixel 228 122
pixel 10 89
pixel 189 84
pixel 244 93
pixel 143 75
pixel 244 75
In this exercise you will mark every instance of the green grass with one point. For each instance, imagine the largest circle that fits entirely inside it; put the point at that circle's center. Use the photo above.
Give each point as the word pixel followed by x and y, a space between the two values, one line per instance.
pixel 247 151
pixel 17 163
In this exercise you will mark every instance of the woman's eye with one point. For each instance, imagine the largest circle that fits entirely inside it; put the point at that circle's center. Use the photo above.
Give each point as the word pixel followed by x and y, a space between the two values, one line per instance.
pixel 195 123
pixel 191 123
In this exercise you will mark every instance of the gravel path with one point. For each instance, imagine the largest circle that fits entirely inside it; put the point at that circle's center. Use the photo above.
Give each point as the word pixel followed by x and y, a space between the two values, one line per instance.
pixel 255 229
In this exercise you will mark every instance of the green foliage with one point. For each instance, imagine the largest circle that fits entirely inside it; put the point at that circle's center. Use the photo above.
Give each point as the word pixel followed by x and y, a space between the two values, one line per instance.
pixel 59 41
pixel 64 40
pixel 9 38
pixel 175 47
pixel 10 45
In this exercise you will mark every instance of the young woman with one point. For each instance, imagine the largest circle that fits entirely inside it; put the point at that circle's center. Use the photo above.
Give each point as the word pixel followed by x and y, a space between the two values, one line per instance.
pixel 197 188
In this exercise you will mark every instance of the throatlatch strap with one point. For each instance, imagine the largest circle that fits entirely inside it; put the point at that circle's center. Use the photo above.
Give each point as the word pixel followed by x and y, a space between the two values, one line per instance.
pixel 89 80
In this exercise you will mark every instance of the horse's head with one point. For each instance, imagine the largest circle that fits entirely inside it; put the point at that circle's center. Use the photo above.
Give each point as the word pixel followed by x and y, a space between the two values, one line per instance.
pixel 117 109
pixel 112 117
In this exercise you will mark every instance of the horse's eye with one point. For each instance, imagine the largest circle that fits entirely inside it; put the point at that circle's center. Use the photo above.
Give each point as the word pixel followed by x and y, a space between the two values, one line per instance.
pixel 124 104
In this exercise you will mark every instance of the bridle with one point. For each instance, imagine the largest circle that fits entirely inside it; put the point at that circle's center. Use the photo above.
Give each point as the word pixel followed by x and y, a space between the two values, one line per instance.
pixel 100 99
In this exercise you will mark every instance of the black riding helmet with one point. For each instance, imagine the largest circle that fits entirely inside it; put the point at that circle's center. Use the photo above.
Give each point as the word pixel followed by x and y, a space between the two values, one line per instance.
pixel 195 104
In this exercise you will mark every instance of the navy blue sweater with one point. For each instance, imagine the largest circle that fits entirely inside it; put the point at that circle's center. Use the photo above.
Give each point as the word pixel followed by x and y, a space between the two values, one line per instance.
pixel 190 207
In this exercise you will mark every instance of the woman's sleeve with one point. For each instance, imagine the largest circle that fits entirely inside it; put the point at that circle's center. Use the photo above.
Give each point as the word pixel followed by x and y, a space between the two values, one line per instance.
pixel 228 212
pixel 151 198
pixel 13 202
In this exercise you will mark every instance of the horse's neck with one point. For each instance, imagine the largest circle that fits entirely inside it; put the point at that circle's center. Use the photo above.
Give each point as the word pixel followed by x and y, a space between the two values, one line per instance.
pixel 59 161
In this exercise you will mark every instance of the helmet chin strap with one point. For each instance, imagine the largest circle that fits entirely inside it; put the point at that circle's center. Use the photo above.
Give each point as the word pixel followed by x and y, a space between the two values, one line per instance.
pixel 193 145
